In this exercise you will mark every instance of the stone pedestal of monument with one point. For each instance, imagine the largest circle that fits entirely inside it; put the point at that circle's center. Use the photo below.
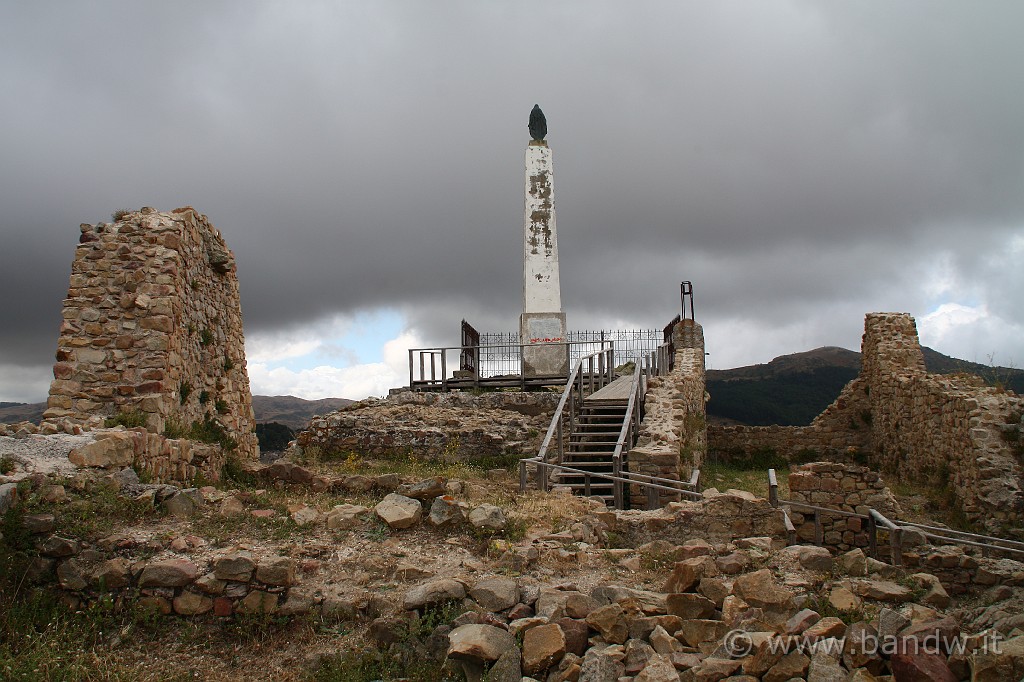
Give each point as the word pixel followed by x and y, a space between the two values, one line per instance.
pixel 537 329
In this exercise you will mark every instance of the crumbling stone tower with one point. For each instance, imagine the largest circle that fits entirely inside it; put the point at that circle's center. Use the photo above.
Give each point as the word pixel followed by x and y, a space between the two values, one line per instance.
pixel 153 322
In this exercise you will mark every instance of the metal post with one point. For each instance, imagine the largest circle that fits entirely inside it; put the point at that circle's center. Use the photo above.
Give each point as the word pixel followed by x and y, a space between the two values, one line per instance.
pixel 561 455
pixel 773 489
pixel 444 370
pixel 568 357
pixel 410 369
pixel 586 484
pixel 896 546
pixel 617 483
pixel 790 528
pixel 522 367
pixel 872 537
pixel 652 498
pixel 522 476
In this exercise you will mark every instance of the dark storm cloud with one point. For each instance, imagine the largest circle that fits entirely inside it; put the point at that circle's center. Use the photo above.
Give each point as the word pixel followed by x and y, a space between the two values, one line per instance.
pixel 794 159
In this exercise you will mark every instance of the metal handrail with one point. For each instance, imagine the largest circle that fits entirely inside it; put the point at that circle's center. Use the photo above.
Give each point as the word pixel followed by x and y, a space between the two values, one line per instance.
pixel 1013 544
pixel 627 432
pixel 654 364
pixel 605 369
pixel 665 483
pixel 876 519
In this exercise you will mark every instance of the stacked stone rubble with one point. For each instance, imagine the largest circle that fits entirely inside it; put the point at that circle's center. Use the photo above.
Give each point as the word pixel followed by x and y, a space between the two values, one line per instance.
pixel 445 426
pixel 152 323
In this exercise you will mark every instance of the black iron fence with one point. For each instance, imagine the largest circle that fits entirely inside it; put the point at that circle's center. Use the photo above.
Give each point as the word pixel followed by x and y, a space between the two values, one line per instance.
pixel 500 352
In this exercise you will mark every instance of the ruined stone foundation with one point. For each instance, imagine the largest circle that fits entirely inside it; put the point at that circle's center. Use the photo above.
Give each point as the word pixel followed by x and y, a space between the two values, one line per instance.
pixel 153 323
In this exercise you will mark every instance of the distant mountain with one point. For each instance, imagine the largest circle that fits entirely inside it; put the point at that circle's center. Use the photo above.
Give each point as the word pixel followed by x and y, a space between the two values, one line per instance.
pixel 293 412
pixel 11 413
pixel 792 390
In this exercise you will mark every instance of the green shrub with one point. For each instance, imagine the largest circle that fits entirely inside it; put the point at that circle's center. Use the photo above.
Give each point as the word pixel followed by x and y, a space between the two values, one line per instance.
pixel 205 431
pixel 130 420
pixel 185 391
pixel 234 474
pixel 205 337
pixel 204 397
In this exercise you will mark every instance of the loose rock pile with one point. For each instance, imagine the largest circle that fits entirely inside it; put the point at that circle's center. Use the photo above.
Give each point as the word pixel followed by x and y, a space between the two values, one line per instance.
pixel 715 618
pixel 695 591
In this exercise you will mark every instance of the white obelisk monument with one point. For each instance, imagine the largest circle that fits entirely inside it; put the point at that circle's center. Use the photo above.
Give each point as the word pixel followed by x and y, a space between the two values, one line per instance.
pixel 542 321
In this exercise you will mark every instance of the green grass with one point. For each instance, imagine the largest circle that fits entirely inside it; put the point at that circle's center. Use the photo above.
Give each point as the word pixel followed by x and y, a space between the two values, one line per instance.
pixel 41 639
pixel 94 513
pixel 369 664
pixel 404 660
pixel 723 476
pixel 407 463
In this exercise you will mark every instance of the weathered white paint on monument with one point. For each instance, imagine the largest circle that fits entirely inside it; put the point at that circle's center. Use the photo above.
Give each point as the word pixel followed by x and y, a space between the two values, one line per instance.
pixel 541 290
pixel 542 321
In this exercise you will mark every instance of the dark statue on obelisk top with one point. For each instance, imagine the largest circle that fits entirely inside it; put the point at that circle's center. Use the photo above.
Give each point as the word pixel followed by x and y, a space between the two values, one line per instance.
pixel 538 124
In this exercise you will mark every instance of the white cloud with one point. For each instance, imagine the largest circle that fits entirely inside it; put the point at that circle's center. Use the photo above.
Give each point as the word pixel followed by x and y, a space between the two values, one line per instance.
pixel 294 342
pixel 19 384
pixel 325 381
pixel 972 333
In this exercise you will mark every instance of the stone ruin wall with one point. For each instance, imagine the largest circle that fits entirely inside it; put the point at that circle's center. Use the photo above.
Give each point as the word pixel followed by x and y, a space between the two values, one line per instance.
pixel 846 487
pixel 854 488
pixel 944 431
pixel 841 432
pixel 936 430
pixel 454 426
pixel 673 434
pixel 152 323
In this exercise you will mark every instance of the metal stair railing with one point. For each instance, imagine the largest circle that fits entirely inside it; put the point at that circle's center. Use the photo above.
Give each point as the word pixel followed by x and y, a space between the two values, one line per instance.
pixel 628 433
pixel 655 364
pixel 573 391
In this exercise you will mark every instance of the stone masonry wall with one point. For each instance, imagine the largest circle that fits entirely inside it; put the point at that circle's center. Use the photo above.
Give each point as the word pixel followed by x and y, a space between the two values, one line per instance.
pixel 842 431
pixel 673 433
pixel 152 322
pixel 942 430
pixel 847 487
pixel 448 426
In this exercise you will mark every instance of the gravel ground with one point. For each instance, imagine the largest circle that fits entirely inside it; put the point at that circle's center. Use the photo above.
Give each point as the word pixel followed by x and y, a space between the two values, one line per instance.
pixel 41 454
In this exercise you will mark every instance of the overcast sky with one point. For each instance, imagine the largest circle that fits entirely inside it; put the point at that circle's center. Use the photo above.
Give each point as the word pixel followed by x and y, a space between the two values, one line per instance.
pixel 802 162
